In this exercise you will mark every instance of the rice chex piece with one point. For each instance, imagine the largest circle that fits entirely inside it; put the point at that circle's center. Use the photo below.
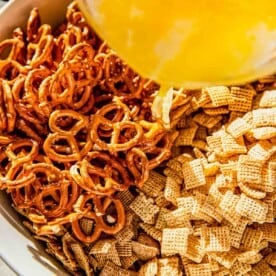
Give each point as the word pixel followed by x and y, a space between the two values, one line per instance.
pixel 195 251
pixel 226 259
pixel 193 174
pixel 262 150
pixel 215 239
pixel 264 117
pixel 203 269
pixel 253 209
pixel 263 133
pixel 154 184
pixel 268 99
pixel 144 208
pixel 161 221
pixel 143 251
pixel 272 173
pixel 249 170
pixel 177 218
pixel 150 268
pixel 174 241
pixel 168 266
pixel 172 190
pixel 228 207
pixel 231 145
pixel 238 127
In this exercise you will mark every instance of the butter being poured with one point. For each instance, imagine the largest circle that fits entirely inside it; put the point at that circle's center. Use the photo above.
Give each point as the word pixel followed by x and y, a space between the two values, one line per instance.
pixel 189 44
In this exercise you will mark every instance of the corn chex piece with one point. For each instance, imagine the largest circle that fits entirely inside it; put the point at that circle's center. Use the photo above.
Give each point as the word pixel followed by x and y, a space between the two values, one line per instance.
pixel 193 174
pixel 144 252
pixel 219 95
pixel 198 269
pixel 207 120
pixel 200 98
pixel 124 248
pixel 144 208
pixel 252 208
pixel 223 272
pixel 150 268
pixel 271 258
pixel 172 190
pixel 176 175
pixel 174 241
pixel 263 268
pixel 240 269
pixel 186 136
pixel 238 127
pixel 127 262
pixel 249 170
pixel 268 99
pixel 250 256
pixel 168 266
pixel 215 239
pixel 161 218
pixel 126 234
pixel 269 231
pixel 174 164
pixel 228 205
pixel 251 238
pixel 154 184
pixel 195 251
pixel 241 99
pixel 161 201
pixel 231 145
pixel 112 269
pixel 236 114
pixel 126 197
pixel 226 259
pixel 151 231
pixel 214 111
pixel 264 117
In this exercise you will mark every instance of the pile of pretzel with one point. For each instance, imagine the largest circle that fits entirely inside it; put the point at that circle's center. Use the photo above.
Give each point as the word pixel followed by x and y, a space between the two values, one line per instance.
pixel 75 128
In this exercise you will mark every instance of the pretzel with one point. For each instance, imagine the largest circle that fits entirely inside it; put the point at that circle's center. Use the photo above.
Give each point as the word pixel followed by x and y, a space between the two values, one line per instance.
pixel 100 179
pixel 135 134
pixel 72 152
pixel 99 223
pixel 14 46
pixel 138 165
pixel 56 117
